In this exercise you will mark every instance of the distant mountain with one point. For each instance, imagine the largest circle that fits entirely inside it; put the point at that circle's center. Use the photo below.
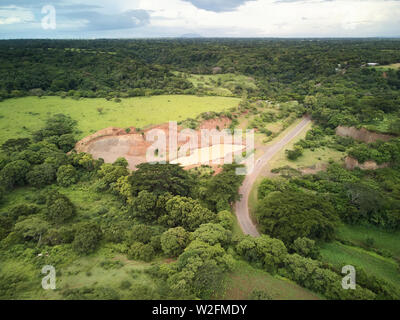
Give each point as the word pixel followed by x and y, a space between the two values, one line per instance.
pixel 191 35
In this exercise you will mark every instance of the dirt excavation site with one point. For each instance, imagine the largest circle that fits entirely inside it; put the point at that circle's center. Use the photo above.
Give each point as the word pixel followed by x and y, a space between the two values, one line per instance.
pixel 211 144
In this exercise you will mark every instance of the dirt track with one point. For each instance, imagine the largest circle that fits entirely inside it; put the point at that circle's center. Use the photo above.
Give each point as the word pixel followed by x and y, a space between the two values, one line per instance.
pixel 241 207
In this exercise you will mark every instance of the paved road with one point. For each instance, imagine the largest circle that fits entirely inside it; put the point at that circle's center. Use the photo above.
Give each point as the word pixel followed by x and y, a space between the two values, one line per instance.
pixel 241 207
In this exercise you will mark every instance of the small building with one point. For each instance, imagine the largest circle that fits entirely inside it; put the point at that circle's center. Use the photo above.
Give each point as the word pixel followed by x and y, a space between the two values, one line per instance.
pixel 372 64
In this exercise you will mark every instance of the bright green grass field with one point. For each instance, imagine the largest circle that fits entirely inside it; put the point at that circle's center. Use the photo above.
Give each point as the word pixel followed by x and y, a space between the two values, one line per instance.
pixel 318 157
pixel 240 283
pixel 88 272
pixel 341 255
pixel 226 85
pixel 74 271
pixel 19 117
pixel 385 240
pixel 381 126
pixel 394 66
pixel 82 272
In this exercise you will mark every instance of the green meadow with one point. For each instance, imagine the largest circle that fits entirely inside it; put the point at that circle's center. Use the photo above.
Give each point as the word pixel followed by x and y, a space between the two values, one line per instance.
pixel 19 117
pixel 393 66
pixel 240 284
pixel 222 84
pixel 373 264
pixel 382 239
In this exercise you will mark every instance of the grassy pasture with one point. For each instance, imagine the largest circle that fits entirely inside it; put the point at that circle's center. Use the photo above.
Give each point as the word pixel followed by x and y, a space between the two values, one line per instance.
pixel 19 117
pixel 222 84
pixel 383 240
pixel 90 272
pixel 381 126
pixel 341 255
pixel 318 157
pixel 244 279
pixel 393 66
pixel 74 272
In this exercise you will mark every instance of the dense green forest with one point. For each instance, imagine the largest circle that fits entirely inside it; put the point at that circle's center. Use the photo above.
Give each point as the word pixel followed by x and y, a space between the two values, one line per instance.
pixel 181 222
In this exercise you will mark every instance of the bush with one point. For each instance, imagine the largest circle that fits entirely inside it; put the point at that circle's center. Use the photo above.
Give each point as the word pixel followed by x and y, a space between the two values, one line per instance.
pixel 59 236
pixel 271 253
pixel 13 174
pixel 87 238
pixel 212 234
pixel 225 219
pixel 369 242
pixel 23 210
pixel 144 205
pixel 66 142
pixel 174 241
pixel 125 285
pixel 141 251
pixel 85 293
pixel 294 154
pixel 259 295
pixel 67 175
pixel 59 208
pixel 111 264
pixel 41 175
pixel 56 125
pixel 32 228
pixel 306 248
pixel 186 212
pixel 140 233
pixel 309 274
pixel 290 215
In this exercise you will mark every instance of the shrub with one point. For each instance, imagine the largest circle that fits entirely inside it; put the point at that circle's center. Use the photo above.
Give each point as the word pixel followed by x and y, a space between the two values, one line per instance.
pixel 271 253
pixel 212 234
pixel 59 208
pixel 67 175
pixel 306 248
pixel 87 238
pixel 32 228
pixel 41 175
pixel 13 174
pixel 141 251
pixel 59 236
pixel 225 219
pixel 174 241
pixel 259 295
pixel 125 285
pixel 140 233
pixel 66 142
pixel 22 210
pixel 294 154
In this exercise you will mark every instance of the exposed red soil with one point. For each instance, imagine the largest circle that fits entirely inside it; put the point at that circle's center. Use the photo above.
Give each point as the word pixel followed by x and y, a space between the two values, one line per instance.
pixel 352 163
pixel 112 143
pixel 362 134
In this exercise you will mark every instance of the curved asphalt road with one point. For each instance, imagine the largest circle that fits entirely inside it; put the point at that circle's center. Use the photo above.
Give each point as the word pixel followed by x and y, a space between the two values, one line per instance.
pixel 241 207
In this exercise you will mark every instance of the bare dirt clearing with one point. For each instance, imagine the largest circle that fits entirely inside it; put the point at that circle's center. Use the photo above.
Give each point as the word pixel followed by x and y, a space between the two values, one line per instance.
pixel 113 143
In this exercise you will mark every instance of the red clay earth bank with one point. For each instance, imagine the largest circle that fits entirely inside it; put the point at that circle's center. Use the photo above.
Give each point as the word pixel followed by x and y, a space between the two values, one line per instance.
pixel 112 143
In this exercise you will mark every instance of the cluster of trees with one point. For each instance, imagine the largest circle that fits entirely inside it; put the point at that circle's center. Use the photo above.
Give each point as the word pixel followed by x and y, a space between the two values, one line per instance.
pixel 380 152
pixel 39 161
pixel 291 214
pixel 163 211
pixel 353 196
pixel 298 263
pixel 283 70
pixel 41 68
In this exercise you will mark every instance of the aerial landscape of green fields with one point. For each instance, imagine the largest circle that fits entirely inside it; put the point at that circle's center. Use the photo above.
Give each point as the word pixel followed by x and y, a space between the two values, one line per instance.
pixel 308 189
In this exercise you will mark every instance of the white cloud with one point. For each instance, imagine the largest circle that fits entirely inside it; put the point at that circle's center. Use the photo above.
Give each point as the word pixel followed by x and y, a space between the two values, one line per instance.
pixel 272 18
pixel 255 18
pixel 12 15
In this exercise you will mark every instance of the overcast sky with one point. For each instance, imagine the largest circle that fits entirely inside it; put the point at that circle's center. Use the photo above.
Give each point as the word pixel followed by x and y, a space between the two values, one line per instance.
pixel 206 18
